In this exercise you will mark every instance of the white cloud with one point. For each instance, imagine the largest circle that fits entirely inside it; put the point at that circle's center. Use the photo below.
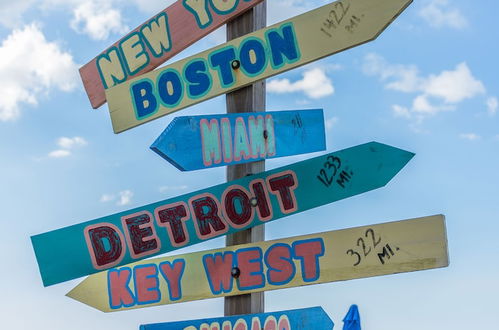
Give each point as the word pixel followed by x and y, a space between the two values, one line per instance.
pixel 69 143
pixel 454 86
pixel 60 153
pixel 400 111
pixel 470 136
pixel 98 20
pixel 66 145
pixel 125 197
pixel 315 84
pixel 31 66
pixel 122 198
pixel 438 13
pixel 107 198
pixel 331 122
pixel 492 105
pixel 11 11
pixel 434 93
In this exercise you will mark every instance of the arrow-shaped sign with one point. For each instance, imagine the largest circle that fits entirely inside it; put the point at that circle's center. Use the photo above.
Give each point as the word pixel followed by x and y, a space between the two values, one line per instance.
pixel 382 249
pixel 192 143
pixel 298 319
pixel 352 319
pixel 128 236
pixel 259 55
pixel 155 41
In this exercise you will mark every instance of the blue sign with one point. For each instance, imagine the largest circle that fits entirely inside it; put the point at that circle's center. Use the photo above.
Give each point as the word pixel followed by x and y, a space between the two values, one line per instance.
pixel 307 318
pixel 352 319
pixel 196 142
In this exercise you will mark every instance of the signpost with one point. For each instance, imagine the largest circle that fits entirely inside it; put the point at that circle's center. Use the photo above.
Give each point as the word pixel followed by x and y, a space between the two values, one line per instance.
pixel 227 208
pixel 298 319
pixel 157 40
pixel 196 142
pixel 375 250
pixel 259 55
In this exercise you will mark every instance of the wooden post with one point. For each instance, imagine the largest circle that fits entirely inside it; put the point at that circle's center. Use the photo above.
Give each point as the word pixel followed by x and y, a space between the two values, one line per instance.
pixel 247 99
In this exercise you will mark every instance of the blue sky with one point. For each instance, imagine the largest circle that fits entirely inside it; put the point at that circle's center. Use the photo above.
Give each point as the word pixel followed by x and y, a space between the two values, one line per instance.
pixel 428 84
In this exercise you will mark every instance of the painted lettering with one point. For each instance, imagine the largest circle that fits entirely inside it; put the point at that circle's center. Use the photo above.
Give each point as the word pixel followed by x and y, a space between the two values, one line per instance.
pixel 105 244
pixel 197 77
pixel 173 217
pixel 207 219
pixel 110 68
pixel 170 88
pixel 308 252
pixel 249 262
pixel 281 268
pixel 224 7
pixel 252 56
pixel 270 141
pixel 141 234
pixel 134 54
pixel 218 268
pixel 210 141
pixel 144 100
pixel 172 274
pixel 119 292
pixel 237 207
pixel 226 139
pixel 199 8
pixel 241 142
pixel 221 61
pixel 283 45
pixel 157 35
pixel 283 185
pixel 146 284
pixel 264 208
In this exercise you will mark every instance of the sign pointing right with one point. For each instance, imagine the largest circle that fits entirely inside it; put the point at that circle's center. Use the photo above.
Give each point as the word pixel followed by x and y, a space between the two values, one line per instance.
pixel 322 32
pixel 156 228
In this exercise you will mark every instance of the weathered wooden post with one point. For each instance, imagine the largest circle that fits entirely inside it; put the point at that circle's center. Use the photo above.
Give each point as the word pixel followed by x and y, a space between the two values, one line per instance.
pixel 247 99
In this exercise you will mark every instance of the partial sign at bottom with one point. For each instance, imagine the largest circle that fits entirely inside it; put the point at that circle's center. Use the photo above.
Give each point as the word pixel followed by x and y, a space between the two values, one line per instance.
pixel 382 249
pixel 298 319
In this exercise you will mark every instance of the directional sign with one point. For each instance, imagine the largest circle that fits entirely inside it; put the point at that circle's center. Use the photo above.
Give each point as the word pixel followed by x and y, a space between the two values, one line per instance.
pixel 298 319
pixel 128 236
pixel 375 250
pixel 259 55
pixel 155 41
pixel 192 143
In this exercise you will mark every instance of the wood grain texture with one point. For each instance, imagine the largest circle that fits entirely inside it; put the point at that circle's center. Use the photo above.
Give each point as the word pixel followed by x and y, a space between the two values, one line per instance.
pixel 184 31
pixel 247 99
pixel 353 253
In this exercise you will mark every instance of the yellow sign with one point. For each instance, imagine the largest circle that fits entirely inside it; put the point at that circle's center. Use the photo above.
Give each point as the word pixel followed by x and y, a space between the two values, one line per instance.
pixel 259 55
pixel 382 249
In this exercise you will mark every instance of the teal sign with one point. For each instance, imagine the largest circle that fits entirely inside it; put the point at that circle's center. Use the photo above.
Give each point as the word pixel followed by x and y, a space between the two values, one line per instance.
pixel 156 228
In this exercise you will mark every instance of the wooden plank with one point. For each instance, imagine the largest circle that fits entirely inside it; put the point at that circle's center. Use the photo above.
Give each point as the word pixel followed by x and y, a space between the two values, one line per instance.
pixel 297 319
pixel 156 228
pixel 155 41
pixel 253 57
pixel 375 250
pixel 252 99
pixel 196 142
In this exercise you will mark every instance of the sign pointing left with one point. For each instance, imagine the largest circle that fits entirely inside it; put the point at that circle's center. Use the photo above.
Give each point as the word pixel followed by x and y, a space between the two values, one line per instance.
pixel 298 319
pixel 196 142
pixel 128 236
